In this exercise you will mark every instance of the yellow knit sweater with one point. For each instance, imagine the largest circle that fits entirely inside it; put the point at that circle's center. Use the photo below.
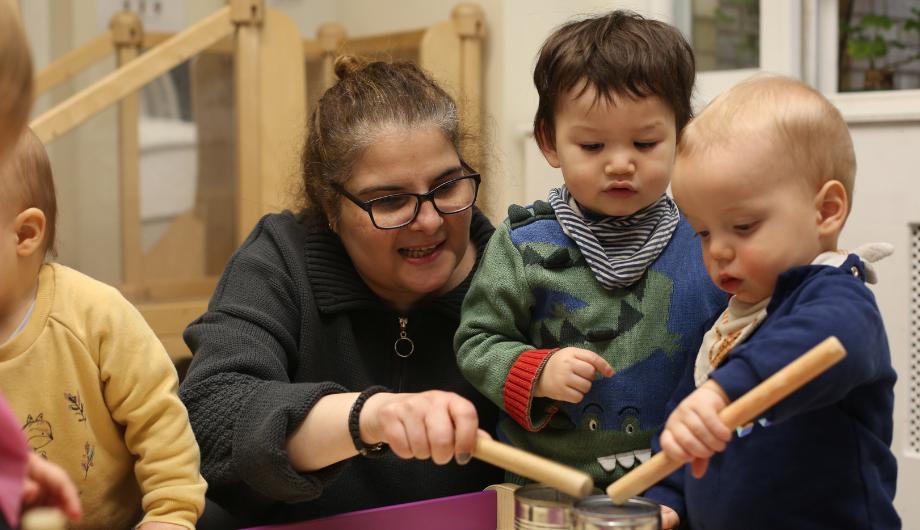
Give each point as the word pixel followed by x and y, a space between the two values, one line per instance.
pixel 95 392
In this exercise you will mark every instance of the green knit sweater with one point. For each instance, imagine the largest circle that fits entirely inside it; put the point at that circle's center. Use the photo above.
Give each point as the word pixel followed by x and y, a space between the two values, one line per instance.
pixel 534 293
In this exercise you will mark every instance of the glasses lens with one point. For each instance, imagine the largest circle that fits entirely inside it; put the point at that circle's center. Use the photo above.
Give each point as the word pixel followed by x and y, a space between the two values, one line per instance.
pixel 396 210
pixel 455 195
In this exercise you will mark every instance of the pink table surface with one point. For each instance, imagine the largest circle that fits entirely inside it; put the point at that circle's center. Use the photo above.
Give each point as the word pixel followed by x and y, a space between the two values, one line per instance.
pixel 471 511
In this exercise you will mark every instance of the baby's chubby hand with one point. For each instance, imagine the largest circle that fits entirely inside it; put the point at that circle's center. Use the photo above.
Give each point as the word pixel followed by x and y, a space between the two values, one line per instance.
pixel 694 431
pixel 568 374
pixel 669 518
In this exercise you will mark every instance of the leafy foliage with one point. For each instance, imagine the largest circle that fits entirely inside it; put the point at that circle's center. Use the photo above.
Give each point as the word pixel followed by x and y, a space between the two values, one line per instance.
pixel 871 38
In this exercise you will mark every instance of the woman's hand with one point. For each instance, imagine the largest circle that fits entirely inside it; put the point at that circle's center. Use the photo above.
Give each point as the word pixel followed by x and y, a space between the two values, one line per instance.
pixel 569 373
pixel 694 431
pixel 48 485
pixel 433 424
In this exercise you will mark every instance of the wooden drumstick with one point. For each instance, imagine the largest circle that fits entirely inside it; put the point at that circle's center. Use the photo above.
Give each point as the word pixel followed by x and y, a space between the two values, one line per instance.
pixel 564 478
pixel 44 518
pixel 739 412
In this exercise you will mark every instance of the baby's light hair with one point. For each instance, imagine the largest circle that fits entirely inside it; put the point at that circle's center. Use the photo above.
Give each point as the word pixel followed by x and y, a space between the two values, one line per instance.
pixel 26 182
pixel 15 76
pixel 800 122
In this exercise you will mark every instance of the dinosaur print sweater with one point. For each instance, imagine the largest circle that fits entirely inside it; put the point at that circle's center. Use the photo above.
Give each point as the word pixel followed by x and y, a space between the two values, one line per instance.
pixel 95 393
pixel 534 293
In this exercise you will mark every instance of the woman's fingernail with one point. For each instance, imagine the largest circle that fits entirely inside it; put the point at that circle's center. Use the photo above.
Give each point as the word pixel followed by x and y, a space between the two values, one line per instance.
pixel 464 458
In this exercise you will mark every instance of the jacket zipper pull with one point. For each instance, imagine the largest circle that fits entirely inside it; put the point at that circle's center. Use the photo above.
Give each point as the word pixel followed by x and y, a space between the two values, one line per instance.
pixel 403 345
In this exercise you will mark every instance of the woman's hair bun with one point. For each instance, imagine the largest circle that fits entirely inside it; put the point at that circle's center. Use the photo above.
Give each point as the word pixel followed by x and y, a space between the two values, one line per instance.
pixel 345 65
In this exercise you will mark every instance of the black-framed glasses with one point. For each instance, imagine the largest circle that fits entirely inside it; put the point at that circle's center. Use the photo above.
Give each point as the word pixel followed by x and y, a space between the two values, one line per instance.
pixel 400 209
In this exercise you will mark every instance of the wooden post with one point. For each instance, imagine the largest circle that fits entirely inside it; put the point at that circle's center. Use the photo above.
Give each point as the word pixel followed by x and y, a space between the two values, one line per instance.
pixel 469 21
pixel 452 52
pixel 127 34
pixel 247 16
pixel 215 204
pixel 330 37
pixel 270 109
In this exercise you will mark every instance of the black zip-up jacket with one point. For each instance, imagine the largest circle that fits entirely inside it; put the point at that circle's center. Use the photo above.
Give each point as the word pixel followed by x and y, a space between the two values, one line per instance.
pixel 290 322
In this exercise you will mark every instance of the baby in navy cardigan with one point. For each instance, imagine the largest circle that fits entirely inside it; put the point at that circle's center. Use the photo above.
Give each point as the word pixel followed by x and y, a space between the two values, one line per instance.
pixel 765 177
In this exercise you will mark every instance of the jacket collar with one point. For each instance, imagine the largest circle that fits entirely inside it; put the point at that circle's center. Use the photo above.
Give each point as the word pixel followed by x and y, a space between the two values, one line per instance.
pixel 790 280
pixel 337 287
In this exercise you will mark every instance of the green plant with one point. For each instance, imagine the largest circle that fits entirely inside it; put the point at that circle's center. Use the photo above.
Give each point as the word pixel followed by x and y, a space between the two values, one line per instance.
pixel 742 16
pixel 871 39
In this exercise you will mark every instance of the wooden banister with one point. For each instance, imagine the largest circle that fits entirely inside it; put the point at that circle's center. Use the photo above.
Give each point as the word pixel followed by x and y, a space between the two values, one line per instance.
pixel 74 62
pixel 127 34
pixel 452 52
pixel 392 42
pixel 469 21
pixel 330 37
pixel 124 81
pixel 270 110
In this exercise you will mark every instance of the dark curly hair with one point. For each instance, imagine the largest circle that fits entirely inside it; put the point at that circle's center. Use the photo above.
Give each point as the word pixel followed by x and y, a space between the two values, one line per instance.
pixel 619 53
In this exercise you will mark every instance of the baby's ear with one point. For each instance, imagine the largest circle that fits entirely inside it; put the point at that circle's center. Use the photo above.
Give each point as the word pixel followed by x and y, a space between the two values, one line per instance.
pixel 547 147
pixel 832 205
pixel 30 232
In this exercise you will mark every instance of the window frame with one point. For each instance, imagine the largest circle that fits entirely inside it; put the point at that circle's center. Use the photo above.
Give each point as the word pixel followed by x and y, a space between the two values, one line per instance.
pixel 820 33
pixel 799 38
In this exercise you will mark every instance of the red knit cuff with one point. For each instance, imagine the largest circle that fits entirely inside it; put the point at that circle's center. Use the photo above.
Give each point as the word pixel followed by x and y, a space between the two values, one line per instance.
pixel 519 388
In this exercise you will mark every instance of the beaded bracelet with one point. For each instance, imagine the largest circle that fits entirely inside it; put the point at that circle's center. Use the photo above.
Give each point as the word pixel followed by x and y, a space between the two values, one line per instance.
pixel 354 427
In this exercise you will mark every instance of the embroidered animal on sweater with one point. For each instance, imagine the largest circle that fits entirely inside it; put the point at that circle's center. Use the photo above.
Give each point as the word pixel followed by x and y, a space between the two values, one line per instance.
pixel 38 432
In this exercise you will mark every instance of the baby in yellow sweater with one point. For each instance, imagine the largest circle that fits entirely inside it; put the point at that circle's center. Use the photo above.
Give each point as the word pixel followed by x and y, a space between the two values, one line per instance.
pixel 91 384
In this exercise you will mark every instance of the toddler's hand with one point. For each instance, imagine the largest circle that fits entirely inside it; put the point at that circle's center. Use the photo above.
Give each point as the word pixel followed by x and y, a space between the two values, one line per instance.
pixel 569 373
pixel 694 431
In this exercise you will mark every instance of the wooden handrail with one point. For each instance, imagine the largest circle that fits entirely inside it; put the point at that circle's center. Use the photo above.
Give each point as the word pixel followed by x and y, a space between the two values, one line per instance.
pixel 224 46
pixel 403 40
pixel 312 50
pixel 74 62
pixel 128 79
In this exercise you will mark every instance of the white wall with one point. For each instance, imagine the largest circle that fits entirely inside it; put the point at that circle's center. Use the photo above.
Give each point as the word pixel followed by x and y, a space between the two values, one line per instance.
pixel 886 203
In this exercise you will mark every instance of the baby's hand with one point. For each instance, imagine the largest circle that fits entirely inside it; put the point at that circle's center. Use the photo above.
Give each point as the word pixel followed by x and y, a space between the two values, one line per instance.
pixel 569 373
pixel 47 484
pixel 153 525
pixel 669 518
pixel 694 431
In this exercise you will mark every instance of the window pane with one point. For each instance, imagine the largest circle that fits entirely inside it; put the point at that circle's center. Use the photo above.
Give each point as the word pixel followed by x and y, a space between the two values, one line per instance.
pixel 879 45
pixel 726 34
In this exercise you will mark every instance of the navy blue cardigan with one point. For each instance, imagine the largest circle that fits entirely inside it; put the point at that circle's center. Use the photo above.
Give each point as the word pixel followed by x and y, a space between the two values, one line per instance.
pixel 823 460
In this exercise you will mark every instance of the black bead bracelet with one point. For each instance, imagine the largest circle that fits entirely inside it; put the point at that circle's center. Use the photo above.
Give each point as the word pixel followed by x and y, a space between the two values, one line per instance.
pixel 354 427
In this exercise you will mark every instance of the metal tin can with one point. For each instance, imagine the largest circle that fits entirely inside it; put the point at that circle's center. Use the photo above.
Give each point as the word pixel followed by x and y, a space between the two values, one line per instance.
pixel 598 512
pixel 539 507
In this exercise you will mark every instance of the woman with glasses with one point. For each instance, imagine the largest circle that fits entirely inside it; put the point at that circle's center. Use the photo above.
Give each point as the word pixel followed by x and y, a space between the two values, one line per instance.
pixel 324 378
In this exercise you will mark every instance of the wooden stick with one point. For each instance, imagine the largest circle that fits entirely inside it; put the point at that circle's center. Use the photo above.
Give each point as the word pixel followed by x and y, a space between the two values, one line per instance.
pixel 742 410
pixel 564 478
pixel 44 518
